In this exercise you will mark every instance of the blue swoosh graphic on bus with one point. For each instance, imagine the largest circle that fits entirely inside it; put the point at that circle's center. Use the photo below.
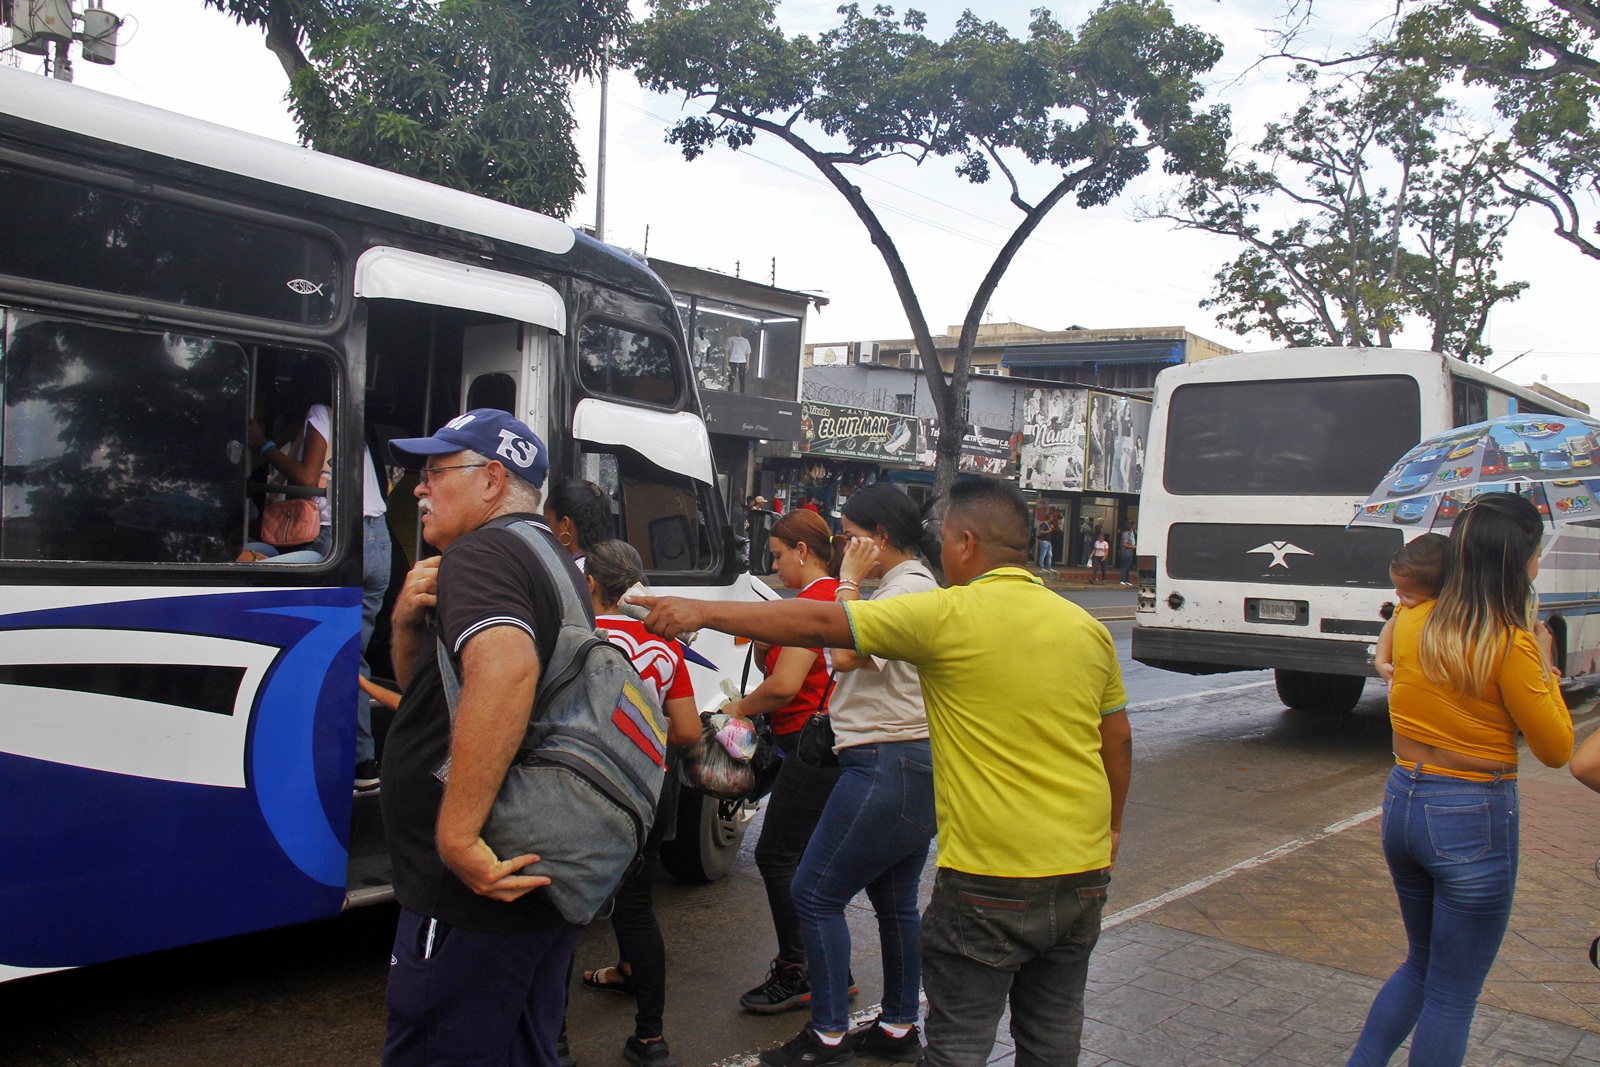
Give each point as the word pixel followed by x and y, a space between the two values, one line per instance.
pixel 189 861
pixel 282 757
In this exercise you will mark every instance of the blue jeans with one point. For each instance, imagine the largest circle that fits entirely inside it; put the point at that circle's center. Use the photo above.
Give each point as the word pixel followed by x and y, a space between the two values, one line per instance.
pixel 1452 851
pixel 311 552
pixel 873 835
pixel 375 560
pixel 986 940
pixel 1046 554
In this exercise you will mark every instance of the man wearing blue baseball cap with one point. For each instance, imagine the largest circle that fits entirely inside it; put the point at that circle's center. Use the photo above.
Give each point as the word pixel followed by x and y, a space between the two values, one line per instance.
pixel 479 967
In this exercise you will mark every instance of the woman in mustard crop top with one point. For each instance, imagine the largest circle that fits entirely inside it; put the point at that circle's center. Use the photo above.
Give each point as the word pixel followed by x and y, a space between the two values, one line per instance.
pixel 1472 669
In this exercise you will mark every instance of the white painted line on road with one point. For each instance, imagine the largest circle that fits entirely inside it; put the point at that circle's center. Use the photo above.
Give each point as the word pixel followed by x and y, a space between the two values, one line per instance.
pixel 1184 698
pixel 1129 914
pixel 753 1059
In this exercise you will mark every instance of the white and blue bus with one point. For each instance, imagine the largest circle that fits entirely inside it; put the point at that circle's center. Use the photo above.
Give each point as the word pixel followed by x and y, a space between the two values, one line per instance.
pixel 177 728
pixel 1258 462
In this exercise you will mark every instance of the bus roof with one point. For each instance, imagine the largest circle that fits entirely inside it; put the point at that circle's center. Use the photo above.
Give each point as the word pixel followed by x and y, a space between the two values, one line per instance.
pixel 1345 362
pixel 57 105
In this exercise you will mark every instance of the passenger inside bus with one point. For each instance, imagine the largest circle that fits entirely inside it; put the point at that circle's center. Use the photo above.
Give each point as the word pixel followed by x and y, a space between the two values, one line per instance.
pixel 305 461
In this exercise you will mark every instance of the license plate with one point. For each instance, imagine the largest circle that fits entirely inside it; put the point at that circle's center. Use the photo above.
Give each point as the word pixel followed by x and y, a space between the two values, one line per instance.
pixel 1276 610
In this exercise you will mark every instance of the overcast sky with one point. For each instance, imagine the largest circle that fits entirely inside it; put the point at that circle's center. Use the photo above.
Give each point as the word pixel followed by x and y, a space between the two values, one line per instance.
pixel 741 211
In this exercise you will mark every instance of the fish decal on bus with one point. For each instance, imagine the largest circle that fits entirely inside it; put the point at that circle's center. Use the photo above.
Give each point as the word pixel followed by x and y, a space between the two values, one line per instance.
pixel 305 287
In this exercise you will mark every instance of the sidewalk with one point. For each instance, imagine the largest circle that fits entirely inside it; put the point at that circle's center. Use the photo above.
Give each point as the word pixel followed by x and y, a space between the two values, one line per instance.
pixel 1277 964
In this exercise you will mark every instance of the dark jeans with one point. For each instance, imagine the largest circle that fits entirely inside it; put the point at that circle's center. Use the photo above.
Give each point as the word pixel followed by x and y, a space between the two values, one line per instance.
pixel 873 835
pixel 1127 565
pixel 1097 572
pixel 986 940
pixel 1452 852
pixel 375 563
pixel 466 998
pixel 639 942
pixel 793 809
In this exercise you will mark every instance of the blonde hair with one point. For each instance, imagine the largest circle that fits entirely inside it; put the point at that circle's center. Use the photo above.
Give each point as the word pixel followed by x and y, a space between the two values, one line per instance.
pixel 1487 594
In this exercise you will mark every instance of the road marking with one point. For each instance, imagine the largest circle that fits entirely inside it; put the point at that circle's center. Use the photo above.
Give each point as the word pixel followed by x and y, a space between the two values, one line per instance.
pixel 1129 914
pixel 865 1015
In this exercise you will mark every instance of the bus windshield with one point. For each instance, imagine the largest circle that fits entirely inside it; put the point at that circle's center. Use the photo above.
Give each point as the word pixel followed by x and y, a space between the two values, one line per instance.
pixel 1289 437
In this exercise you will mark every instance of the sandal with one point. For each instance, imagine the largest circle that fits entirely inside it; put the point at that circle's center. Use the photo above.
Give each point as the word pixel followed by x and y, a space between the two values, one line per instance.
pixel 611 979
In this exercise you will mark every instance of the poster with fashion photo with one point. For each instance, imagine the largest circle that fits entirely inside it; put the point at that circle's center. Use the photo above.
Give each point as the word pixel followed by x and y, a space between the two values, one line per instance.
pixel 1117 429
pixel 1054 429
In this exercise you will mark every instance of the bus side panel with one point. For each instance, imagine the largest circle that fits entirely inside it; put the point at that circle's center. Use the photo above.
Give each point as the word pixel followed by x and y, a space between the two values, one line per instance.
pixel 174 768
pixel 1567 592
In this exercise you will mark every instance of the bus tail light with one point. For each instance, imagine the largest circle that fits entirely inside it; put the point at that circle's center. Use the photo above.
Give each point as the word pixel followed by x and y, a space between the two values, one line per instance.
pixel 1147 583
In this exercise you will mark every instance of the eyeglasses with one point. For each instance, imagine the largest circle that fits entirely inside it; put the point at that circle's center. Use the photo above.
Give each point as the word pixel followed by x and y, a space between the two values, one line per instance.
pixel 428 472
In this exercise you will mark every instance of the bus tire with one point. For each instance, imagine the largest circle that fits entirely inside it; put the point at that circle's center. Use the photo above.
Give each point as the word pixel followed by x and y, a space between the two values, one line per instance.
pixel 708 838
pixel 1329 694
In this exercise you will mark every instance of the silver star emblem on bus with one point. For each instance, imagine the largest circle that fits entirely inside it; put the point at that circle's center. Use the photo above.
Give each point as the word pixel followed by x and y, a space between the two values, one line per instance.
pixel 1279 551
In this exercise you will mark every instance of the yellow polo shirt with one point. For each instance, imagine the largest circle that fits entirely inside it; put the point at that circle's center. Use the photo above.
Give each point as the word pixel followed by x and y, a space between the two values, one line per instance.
pixel 1015 679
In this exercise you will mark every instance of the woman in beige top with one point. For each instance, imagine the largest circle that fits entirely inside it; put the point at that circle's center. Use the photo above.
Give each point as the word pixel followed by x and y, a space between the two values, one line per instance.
pixel 878 823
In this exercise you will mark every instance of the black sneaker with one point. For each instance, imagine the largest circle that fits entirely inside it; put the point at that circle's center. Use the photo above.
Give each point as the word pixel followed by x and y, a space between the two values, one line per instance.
pixel 874 1040
pixel 648 1053
pixel 564 1055
pixel 806 1049
pixel 366 776
pixel 787 986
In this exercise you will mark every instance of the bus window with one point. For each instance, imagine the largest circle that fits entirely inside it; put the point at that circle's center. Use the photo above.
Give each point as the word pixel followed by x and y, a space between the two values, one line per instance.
pixel 1289 437
pixel 142 247
pixel 120 445
pixel 614 361
pixel 1469 402
pixel 663 515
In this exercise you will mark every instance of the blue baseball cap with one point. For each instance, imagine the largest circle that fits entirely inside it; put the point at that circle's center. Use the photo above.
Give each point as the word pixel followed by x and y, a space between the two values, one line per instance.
pixel 487 431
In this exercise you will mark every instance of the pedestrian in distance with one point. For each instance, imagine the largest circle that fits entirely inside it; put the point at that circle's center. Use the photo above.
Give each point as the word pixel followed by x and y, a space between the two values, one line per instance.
pixel 1101 552
pixel 479 965
pixel 805 557
pixel 1472 669
pixel 1046 547
pixel 1032 756
pixel 611 569
pixel 878 823
pixel 1127 547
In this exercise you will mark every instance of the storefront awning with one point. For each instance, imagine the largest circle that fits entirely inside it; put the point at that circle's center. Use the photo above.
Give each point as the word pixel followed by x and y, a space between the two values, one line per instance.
pixel 1069 355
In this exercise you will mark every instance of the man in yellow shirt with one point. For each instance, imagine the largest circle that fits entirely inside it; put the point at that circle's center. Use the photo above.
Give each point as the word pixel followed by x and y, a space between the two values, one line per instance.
pixel 1032 755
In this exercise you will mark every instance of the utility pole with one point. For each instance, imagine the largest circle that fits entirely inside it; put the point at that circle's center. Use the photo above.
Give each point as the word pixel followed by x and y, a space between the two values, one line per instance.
pixel 63 61
pixel 600 168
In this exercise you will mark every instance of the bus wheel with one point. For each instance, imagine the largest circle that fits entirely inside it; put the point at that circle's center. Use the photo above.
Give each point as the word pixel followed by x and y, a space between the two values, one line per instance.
pixel 1333 694
pixel 708 837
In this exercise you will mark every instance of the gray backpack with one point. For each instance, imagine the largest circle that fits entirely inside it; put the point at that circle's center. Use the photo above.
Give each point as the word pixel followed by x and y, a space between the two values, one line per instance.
pixel 583 789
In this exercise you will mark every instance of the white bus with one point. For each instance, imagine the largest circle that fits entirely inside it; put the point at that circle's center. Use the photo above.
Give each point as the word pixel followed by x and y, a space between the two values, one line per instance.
pixel 1257 463
pixel 177 728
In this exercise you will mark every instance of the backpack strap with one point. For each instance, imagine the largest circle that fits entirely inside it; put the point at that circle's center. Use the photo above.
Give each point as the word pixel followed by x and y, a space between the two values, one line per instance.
pixel 573 612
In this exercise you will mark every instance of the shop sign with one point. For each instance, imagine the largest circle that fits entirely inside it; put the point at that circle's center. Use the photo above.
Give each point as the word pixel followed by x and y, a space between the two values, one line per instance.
pixel 858 433
pixel 986 451
pixel 1118 428
pixel 1054 439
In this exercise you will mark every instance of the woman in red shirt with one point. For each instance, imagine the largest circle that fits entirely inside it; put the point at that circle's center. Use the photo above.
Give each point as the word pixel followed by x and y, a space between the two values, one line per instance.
pixel 805 558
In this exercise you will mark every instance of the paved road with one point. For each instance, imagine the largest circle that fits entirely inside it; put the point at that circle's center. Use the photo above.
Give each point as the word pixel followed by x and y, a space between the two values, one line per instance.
pixel 1222 774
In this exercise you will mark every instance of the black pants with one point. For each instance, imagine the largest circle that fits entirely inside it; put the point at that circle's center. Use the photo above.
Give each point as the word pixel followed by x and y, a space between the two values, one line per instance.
pixel 639 942
pixel 793 810
pixel 468 998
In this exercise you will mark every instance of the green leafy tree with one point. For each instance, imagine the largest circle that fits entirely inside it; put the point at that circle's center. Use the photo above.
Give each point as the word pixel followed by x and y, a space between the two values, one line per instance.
pixel 1386 216
pixel 1077 114
pixel 1542 59
pixel 471 94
